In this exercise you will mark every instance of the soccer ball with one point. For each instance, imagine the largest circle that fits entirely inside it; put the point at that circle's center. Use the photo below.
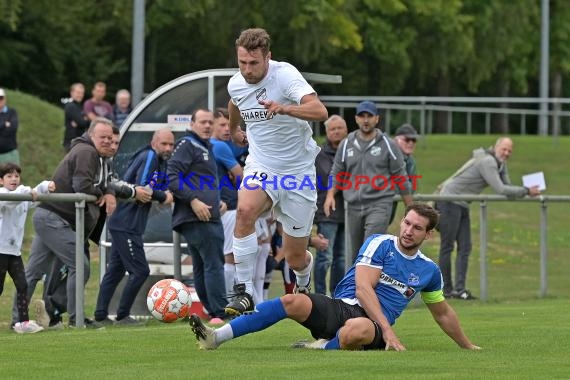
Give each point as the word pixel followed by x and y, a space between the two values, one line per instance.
pixel 169 300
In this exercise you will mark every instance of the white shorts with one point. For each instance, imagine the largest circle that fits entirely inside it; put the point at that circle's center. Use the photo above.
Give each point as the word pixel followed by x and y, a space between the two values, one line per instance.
pixel 229 223
pixel 294 197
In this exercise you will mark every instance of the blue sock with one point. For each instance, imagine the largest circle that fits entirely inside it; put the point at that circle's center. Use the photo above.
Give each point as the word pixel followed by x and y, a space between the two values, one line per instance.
pixel 266 314
pixel 333 344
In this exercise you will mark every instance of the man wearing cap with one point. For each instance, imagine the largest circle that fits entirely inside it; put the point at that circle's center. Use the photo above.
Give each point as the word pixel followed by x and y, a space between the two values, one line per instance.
pixel 368 166
pixel 406 137
pixel 8 129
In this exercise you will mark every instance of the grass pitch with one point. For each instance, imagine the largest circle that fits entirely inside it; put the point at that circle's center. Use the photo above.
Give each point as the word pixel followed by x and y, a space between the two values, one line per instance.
pixel 520 340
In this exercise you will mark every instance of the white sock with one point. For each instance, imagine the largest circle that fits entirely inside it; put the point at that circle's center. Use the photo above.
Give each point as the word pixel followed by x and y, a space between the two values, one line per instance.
pixel 229 276
pixel 245 252
pixel 304 275
pixel 224 333
pixel 259 275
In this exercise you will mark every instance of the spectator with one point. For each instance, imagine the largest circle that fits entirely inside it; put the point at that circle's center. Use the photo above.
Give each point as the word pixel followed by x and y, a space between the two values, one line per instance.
pixel 76 122
pixel 82 170
pixel 54 300
pixel 487 167
pixel 122 107
pixel 406 137
pixel 229 174
pixel 97 106
pixel 368 300
pixel 197 211
pixel 331 227
pixel 127 225
pixel 276 103
pixel 369 154
pixel 8 131
pixel 12 222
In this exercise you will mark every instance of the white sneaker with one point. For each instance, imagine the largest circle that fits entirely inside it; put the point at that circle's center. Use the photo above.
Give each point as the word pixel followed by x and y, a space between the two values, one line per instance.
pixel 206 336
pixel 318 344
pixel 42 315
pixel 27 327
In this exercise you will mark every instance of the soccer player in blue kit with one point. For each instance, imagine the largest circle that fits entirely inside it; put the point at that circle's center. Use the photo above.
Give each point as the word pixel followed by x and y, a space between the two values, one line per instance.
pixel 387 274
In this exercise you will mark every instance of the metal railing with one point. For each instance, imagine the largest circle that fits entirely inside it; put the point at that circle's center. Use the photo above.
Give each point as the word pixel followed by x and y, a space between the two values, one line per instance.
pixel 81 199
pixel 419 110
pixel 483 199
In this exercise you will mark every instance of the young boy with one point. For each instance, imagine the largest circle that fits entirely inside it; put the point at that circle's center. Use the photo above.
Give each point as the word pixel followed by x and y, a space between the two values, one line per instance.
pixel 12 220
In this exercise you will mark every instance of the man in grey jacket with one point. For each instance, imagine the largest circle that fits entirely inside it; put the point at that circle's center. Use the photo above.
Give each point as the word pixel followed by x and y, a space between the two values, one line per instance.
pixel 368 167
pixel 487 167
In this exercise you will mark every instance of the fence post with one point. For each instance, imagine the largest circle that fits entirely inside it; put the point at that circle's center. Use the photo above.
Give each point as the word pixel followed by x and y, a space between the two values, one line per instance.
pixel 79 263
pixel 177 266
pixel 483 250
pixel 543 248
pixel 423 118
pixel 103 254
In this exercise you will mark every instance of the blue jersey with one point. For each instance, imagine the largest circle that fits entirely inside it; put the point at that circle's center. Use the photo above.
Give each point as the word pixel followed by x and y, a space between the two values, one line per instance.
pixel 145 166
pixel 225 161
pixel 401 278
pixel 239 152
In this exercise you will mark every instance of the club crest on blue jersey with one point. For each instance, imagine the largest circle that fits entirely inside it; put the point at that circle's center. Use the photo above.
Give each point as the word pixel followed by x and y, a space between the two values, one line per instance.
pixel 413 280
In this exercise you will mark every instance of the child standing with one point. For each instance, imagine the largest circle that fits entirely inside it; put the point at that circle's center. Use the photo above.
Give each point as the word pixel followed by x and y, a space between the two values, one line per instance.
pixel 12 220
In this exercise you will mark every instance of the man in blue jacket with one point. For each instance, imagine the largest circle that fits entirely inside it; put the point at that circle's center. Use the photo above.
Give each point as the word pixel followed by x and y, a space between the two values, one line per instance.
pixel 192 175
pixel 127 226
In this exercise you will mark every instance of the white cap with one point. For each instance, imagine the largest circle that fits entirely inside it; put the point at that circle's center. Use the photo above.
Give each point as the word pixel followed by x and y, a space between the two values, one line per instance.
pixel 2 93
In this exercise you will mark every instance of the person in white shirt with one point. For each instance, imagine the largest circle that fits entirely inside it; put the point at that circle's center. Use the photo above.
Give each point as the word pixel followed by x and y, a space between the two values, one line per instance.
pixel 276 103
pixel 12 221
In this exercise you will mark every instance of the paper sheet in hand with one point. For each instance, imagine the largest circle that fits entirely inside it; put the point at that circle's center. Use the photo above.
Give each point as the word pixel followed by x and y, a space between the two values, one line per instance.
pixel 534 179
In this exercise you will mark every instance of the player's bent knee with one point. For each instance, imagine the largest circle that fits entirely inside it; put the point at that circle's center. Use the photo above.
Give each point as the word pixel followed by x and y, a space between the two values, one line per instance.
pixel 289 301
pixel 245 216
pixel 356 332
pixel 297 306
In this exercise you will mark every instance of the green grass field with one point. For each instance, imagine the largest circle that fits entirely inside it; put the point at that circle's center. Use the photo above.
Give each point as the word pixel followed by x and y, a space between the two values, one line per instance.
pixel 523 336
pixel 520 340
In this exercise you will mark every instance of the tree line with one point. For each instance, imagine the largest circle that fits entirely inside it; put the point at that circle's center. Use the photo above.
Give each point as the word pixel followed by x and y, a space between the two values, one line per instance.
pixel 380 47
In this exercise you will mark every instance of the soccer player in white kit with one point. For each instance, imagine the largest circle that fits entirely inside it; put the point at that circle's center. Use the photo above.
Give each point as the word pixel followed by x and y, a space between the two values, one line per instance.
pixel 276 103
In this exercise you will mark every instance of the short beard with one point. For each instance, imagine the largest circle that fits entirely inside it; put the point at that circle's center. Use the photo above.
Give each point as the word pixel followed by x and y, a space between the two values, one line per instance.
pixel 165 156
pixel 413 246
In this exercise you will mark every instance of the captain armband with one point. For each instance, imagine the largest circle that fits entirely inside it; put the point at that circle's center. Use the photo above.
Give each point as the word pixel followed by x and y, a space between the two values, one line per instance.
pixel 433 297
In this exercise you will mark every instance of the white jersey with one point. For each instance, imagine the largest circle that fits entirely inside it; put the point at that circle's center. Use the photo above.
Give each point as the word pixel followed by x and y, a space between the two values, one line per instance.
pixel 13 218
pixel 282 144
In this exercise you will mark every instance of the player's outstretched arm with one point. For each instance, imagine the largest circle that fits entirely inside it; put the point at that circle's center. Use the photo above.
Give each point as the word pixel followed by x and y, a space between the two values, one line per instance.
pixel 310 108
pixel 448 321
pixel 366 279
